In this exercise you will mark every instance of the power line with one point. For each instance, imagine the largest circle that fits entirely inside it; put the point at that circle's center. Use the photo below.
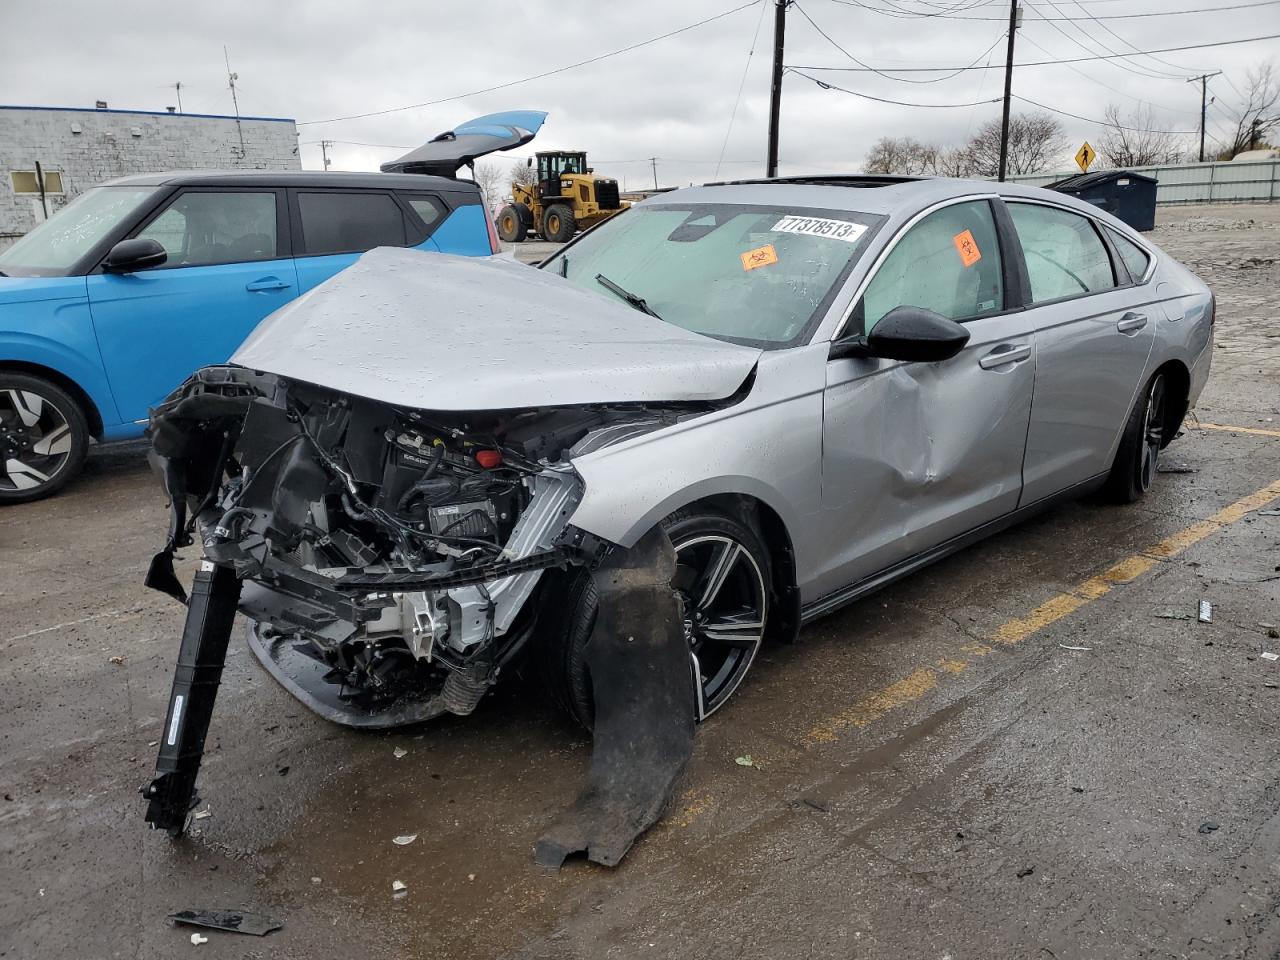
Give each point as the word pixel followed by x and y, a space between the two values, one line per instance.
pixel 746 67
pixel 536 76
pixel 900 103
pixel 904 15
pixel 1042 63
pixel 804 13
pixel 1130 44
pixel 1119 60
pixel 1105 123
pixel 1107 86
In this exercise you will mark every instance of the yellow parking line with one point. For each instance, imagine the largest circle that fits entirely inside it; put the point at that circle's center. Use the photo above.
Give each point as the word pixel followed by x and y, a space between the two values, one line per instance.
pixel 1222 426
pixel 875 705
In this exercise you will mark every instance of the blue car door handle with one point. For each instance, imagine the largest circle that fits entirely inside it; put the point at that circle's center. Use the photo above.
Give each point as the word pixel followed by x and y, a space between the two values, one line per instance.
pixel 1006 353
pixel 267 284
pixel 1131 322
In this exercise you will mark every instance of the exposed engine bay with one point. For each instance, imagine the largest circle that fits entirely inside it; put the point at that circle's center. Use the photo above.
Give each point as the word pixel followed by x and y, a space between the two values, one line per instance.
pixel 388 556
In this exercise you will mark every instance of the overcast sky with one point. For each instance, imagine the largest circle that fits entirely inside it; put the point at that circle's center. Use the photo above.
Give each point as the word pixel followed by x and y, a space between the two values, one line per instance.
pixel 672 99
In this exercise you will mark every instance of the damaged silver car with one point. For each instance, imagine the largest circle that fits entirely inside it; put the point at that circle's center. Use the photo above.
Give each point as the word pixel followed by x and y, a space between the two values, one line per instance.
pixel 803 388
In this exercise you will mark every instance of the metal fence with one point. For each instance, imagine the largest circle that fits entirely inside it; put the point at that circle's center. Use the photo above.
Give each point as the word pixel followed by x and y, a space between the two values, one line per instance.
pixel 1254 182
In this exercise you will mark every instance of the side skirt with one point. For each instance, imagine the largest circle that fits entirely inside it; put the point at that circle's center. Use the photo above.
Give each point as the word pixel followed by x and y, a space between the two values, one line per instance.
pixel 861 588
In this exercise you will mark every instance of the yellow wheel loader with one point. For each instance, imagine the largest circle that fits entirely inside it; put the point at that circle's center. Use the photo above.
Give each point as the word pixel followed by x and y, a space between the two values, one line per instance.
pixel 566 198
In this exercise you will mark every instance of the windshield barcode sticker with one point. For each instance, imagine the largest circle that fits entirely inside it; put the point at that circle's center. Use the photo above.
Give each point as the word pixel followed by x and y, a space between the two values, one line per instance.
pixel 821 227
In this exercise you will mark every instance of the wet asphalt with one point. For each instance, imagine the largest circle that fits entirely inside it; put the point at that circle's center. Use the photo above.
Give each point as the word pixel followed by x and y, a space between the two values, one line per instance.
pixel 959 766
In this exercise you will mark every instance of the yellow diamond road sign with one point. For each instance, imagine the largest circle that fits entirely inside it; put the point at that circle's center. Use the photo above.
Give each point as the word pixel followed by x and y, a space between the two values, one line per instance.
pixel 1085 157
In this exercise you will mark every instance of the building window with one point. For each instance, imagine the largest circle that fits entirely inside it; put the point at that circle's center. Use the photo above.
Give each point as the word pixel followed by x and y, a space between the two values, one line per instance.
pixel 24 181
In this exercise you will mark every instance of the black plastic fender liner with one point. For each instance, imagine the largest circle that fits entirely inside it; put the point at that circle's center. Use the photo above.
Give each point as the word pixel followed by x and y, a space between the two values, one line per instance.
pixel 215 592
pixel 642 686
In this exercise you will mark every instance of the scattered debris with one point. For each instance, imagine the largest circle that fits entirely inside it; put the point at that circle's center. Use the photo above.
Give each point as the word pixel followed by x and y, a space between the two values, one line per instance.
pixel 404 839
pixel 196 939
pixel 1026 872
pixel 315 879
pixel 202 814
pixel 283 771
pixel 1174 466
pixel 1269 513
pixel 117 660
pixel 1206 612
pixel 232 921
pixel 746 761
pixel 1273 633
pixel 1268 655
pixel 1272 686
pixel 1209 826
pixel 399 752
pixel 820 805
pixel 471 876
pixel 1068 647
pixel 399 890
pixel 153 743
pixel 1173 615
pixel 1077 789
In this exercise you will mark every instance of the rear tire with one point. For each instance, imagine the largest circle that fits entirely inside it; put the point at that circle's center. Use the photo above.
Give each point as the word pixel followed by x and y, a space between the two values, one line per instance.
pixel 557 223
pixel 44 438
pixel 1138 456
pixel 737 618
pixel 510 223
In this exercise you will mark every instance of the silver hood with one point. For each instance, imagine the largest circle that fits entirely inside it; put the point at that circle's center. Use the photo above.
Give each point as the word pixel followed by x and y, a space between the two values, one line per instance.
pixel 434 331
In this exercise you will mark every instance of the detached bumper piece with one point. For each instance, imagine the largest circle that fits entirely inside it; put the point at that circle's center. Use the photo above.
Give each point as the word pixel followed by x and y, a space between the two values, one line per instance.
pixel 215 592
pixel 642 687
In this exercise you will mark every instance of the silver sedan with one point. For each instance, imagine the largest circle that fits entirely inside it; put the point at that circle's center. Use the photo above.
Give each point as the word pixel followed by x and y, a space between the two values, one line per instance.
pixel 813 386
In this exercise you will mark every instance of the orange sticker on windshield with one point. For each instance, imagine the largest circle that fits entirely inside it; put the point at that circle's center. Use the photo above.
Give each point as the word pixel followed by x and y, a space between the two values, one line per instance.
pixel 967 247
pixel 759 257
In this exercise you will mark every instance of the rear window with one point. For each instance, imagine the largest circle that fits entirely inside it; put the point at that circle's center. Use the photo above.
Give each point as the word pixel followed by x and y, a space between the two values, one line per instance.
pixel 1135 258
pixel 350 222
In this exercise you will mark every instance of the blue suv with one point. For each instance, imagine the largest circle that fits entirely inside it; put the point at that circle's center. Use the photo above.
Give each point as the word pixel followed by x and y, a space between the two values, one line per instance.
pixel 110 304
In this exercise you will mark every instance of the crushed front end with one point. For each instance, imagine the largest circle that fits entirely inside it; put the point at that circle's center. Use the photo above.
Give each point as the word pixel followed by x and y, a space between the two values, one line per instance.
pixel 387 557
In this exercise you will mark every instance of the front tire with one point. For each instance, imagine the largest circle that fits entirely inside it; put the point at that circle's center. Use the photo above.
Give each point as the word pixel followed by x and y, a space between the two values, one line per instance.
pixel 557 223
pixel 1138 456
pixel 723 579
pixel 511 225
pixel 44 438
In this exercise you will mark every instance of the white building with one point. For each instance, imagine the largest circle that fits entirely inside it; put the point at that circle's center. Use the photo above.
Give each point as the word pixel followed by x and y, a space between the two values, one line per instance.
pixel 67 150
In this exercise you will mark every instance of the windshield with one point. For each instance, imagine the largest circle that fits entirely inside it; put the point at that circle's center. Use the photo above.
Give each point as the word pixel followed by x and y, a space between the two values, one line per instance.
pixel 56 245
pixel 757 275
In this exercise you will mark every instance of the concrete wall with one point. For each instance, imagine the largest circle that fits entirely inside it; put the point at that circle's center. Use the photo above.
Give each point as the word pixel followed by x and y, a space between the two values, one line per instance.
pixel 1218 182
pixel 90 146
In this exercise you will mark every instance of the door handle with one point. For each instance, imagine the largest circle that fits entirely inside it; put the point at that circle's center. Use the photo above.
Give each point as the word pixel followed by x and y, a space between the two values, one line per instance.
pixel 1131 322
pixel 1004 354
pixel 267 284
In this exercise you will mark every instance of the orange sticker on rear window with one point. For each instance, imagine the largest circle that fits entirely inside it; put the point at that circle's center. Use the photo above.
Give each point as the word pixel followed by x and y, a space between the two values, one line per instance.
pixel 759 257
pixel 967 247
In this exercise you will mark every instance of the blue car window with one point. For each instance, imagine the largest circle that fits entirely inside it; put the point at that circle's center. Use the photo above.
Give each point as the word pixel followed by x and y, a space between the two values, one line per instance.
pixel 200 229
pixel 335 222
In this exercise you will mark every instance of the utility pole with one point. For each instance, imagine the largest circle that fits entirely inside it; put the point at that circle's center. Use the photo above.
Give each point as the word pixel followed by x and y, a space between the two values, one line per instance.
pixel 1015 17
pixel 654 162
pixel 178 88
pixel 231 80
pixel 1204 103
pixel 324 151
pixel 775 88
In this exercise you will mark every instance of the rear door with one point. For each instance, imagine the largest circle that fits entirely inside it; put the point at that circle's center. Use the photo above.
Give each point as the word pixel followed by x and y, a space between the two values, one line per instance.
pixel 333 227
pixel 1094 332
pixel 915 454
pixel 229 266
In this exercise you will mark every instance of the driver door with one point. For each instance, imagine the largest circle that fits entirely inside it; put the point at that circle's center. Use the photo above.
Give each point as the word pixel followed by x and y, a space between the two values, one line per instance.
pixel 915 454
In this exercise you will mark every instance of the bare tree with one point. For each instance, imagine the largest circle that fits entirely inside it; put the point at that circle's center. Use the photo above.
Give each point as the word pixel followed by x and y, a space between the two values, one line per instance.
pixel 493 181
pixel 901 155
pixel 953 162
pixel 1259 114
pixel 1035 141
pixel 524 174
pixel 1136 140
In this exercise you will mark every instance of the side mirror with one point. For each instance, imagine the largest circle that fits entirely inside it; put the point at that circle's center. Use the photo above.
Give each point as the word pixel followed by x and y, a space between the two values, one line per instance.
pixel 907 333
pixel 529 162
pixel 129 255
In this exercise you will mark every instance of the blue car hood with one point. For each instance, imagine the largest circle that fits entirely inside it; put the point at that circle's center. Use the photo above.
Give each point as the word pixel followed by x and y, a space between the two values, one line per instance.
pixel 15 290
pixel 433 331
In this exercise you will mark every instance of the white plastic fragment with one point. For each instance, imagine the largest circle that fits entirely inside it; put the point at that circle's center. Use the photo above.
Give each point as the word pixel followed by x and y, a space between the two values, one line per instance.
pixel 399 890
pixel 1206 611
pixel 201 814
pixel 745 761
pixel 196 939
pixel 399 752
pixel 1083 649
pixel 404 839
pixel 1268 655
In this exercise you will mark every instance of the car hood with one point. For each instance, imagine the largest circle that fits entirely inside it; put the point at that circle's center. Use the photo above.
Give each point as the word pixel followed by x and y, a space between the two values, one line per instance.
pixel 439 332
pixel 15 290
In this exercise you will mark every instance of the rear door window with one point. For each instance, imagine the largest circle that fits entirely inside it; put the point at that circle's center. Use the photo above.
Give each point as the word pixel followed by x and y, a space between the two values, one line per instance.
pixel 203 228
pixel 1135 258
pixel 429 210
pixel 949 263
pixel 1065 255
pixel 353 222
